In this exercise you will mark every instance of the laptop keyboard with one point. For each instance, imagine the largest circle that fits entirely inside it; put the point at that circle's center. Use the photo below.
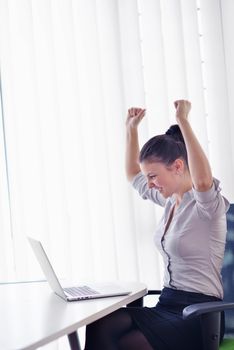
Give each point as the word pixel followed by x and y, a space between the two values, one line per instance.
pixel 81 291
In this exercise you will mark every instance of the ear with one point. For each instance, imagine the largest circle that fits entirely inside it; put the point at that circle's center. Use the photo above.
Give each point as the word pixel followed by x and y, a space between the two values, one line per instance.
pixel 178 166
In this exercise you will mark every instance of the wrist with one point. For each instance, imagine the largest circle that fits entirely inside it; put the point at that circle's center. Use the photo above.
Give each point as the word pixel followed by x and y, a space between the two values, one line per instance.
pixel 132 128
pixel 182 119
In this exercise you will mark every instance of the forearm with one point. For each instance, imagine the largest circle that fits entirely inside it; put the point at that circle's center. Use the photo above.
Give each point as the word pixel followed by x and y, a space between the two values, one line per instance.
pixel 132 153
pixel 199 166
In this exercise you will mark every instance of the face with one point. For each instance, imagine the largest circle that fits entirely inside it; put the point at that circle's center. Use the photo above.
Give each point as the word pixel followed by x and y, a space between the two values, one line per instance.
pixel 163 178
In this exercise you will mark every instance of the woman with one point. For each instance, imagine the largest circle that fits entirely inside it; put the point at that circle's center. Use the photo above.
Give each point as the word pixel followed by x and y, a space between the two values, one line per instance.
pixel 173 171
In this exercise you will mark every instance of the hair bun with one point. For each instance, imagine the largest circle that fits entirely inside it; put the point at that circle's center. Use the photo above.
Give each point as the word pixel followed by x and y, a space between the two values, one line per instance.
pixel 175 133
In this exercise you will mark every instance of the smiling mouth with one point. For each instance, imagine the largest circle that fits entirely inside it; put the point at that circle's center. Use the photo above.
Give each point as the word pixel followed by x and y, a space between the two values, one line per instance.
pixel 158 188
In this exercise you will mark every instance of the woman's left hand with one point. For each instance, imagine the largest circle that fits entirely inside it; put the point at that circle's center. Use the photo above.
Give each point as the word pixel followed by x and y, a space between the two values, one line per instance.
pixel 183 108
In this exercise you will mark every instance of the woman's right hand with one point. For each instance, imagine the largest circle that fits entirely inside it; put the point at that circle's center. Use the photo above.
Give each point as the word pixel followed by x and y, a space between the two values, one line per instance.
pixel 134 117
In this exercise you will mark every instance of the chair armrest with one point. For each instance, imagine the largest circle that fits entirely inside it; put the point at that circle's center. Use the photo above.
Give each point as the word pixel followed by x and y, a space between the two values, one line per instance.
pixel 205 308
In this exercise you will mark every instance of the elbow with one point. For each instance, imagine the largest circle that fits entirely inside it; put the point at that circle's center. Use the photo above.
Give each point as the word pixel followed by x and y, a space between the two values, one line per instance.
pixel 203 185
pixel 130 176
pixel 132 171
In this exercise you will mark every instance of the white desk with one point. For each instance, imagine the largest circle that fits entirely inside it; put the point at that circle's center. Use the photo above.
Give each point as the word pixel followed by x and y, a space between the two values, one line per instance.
pixel 32 315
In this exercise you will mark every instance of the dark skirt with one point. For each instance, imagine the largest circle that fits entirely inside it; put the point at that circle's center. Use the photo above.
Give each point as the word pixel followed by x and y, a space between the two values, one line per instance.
pixel 163 325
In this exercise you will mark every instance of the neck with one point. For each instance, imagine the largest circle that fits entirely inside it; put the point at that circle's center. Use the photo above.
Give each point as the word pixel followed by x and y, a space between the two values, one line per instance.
pixel 185 187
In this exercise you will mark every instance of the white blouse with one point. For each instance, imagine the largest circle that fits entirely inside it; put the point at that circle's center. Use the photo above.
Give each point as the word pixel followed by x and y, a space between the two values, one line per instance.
pixel 193 246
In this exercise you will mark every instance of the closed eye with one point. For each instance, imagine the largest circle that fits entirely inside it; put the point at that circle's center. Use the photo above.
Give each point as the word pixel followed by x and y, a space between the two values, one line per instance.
pixel 152 177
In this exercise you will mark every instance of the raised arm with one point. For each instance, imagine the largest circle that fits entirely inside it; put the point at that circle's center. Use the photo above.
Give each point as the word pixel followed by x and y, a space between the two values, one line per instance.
pixel 134 117
pixel 199 166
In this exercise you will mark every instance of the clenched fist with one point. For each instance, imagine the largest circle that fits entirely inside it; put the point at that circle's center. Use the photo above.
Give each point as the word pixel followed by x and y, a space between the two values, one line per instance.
pixel 182 109
pixel 134 117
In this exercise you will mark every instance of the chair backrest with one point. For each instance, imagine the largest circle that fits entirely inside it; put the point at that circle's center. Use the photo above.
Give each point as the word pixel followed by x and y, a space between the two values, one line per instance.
pixel 228 271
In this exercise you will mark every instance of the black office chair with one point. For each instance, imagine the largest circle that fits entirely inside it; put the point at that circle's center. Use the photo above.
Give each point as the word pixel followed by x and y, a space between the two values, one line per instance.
pixel 210 313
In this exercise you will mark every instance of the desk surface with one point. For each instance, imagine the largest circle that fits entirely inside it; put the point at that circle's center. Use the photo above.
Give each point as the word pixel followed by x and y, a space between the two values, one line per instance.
pixel 32 315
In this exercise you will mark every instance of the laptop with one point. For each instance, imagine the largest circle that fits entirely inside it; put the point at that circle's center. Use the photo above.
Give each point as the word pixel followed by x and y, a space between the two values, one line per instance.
pixel 73 293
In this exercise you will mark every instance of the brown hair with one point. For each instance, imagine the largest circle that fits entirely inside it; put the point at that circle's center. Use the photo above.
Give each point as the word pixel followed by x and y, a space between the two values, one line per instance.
pixel 165 148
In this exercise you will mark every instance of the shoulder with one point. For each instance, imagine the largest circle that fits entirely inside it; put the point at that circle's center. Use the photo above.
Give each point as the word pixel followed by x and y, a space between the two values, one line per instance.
pixel 211 202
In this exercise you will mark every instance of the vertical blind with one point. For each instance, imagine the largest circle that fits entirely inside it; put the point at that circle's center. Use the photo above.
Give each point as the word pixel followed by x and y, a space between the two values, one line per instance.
pixel 70 69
